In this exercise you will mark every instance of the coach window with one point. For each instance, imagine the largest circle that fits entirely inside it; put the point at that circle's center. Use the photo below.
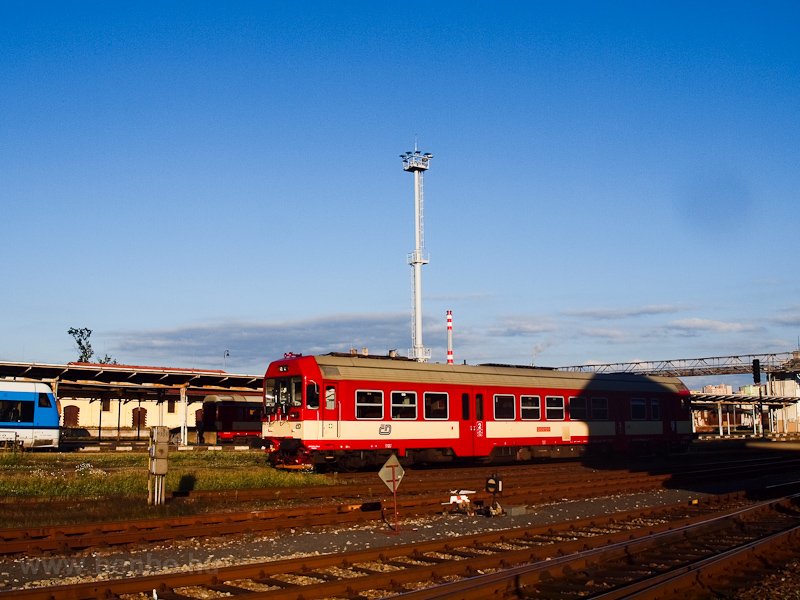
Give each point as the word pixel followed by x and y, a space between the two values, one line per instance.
pixel 16 412
pixel 330 397
pixel 504 407
pixel 20 412
pixel 655 409
pixel 530 408
pixel 465 406
pixel 44 401
pixel 312 396
pixel 554 408
pixel 577 409
pixel 369 404
pixel 435 405
pixel 638 409
pixel 479 407
pixel 404 405
pixel 600 409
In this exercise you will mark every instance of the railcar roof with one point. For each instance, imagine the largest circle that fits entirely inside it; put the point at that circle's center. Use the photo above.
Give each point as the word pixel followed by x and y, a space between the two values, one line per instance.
pixel 23 386
pixel 380 369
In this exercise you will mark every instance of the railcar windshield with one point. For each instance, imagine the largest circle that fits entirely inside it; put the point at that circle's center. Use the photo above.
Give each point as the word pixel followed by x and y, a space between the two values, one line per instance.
pixel 282 394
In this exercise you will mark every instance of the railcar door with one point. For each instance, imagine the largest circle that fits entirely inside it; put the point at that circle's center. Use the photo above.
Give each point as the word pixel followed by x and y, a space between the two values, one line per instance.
pixel 620 406
pixel 663 410
pixel 472 438
pixel 330 412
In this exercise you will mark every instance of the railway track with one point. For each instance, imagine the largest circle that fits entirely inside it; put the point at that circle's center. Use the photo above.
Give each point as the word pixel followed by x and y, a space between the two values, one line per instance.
pixel 319 506
pixel 706 557
pixel 338 504
pixel 596 553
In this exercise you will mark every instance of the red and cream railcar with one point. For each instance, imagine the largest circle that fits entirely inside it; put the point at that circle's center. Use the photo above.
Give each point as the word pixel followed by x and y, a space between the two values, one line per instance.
pixel 355 411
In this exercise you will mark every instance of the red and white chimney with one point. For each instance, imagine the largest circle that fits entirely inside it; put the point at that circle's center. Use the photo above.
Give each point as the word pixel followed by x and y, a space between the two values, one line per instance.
pixel 449 337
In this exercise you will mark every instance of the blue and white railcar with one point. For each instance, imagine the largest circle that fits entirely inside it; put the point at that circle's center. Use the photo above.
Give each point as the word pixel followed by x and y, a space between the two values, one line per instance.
pixel 29 415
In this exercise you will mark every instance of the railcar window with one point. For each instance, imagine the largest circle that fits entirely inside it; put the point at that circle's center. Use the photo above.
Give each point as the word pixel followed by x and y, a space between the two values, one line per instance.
pixel 600 409
pixel 297 391
pixel 530 408
pixel 435 405
pixel 504 407
pixel 44 401
pixel 312 396
pixel 369 404
pixel 554 408
pixel 268 399
pixel 404 405
pixel 638 409
pixel 577 408
pixel 330 397
pixel 479 407
pixel 465 407
pixel 655 409
pixel 13 411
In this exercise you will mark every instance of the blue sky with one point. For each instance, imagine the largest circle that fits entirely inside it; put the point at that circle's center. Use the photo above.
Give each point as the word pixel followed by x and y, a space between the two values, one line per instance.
pixel 612 181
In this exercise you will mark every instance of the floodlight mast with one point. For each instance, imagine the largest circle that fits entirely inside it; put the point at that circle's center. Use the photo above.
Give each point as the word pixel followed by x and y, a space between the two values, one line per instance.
pixel 416 162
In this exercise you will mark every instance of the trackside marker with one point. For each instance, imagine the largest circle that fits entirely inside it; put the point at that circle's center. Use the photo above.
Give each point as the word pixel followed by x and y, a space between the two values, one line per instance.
pixel 391 474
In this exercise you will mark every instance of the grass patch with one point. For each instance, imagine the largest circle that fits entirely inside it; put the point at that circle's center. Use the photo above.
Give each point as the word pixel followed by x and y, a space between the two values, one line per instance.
pixel 112 460
pixel 114 474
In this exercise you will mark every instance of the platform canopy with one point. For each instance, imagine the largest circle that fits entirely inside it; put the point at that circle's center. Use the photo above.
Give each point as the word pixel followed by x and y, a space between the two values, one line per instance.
pixel 700 400
pixel 93 380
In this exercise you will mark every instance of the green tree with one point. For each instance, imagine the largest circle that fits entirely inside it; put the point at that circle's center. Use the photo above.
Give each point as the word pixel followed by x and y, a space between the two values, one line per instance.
pixel 81 337
pixel 85 351
pixel 107 360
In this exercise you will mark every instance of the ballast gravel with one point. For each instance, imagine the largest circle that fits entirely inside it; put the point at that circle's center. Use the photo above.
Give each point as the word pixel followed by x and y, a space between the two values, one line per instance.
pixel 210 554
pixel 202 553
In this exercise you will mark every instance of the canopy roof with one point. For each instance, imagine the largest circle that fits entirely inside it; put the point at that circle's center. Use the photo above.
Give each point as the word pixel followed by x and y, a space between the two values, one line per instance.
pixel 94 380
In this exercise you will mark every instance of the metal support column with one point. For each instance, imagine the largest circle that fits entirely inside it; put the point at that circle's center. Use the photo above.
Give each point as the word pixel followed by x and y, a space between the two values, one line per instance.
pixel 184 429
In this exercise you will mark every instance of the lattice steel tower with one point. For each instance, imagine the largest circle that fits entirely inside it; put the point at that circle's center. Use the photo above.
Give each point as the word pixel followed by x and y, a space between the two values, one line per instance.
pixel 416 162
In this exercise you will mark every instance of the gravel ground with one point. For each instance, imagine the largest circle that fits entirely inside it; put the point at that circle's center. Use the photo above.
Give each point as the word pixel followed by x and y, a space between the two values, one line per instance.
pixel 784 584
pixel 201 553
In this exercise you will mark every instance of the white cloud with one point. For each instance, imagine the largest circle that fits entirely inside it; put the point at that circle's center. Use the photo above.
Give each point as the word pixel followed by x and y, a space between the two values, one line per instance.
pixel 517 326
pixel 624 313
pixel 697 325
pixel 789 318
pixel 611 335
pixel 252 345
